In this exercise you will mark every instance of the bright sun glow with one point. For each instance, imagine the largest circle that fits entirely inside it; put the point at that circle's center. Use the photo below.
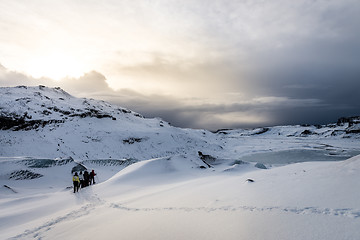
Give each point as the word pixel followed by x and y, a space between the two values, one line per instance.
pixel 56 66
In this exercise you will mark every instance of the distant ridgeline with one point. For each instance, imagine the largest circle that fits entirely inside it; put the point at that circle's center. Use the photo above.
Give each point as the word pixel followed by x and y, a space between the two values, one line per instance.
pixel 27 108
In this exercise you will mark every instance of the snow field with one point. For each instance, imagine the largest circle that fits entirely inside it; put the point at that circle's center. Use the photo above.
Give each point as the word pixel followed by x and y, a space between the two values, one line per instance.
pixel 160 199
pixel 169 192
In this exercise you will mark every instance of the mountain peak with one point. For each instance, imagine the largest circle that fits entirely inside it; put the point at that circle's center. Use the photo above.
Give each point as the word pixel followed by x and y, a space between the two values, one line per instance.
pixel 25 107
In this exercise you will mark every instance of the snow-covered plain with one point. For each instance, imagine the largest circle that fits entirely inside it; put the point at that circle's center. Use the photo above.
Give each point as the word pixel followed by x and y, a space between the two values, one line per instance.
pixel 153 183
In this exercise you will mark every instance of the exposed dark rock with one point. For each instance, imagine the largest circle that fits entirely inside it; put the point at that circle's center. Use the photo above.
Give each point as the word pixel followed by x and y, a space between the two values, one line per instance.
pixel 261 131
pixel 46 163
pixel 350 120
pixel 46 112
pixel 353 131
pixel 337 132
pixel 7 123
pixel 24 174
pixel 104 116
pixel 132 140
pixel 11 189
pixel 15 122
pixel 239 162
pixel 206 158
pixel 25 99
pixel 124 110
pixel 79 167
pixel 223 131
pixel 111 162
pixel 89 113
pixel 260 165
pixel 307 133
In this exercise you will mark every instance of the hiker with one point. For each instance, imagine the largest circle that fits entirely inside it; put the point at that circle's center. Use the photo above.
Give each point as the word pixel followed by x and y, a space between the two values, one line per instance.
pixel 81 177
pixel 76 182
pixel 92 177
pixel 86 178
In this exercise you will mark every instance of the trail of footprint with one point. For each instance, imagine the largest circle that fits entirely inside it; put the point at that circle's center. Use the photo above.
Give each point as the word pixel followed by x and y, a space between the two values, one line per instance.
pixel 83 211
pixel 345 212
pixel 86 210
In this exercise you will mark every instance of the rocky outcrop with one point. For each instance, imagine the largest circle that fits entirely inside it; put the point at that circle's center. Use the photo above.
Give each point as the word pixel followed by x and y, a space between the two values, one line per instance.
pixel 21 123
pixel 350 120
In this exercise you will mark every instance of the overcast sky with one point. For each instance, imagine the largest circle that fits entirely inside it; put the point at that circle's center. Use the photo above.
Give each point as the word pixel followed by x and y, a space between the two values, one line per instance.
pixel 194 63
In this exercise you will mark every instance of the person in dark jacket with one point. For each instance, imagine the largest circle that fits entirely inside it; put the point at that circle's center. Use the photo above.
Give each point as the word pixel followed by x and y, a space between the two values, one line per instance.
pixel 86 178
pixel 76 182
pixel 92 177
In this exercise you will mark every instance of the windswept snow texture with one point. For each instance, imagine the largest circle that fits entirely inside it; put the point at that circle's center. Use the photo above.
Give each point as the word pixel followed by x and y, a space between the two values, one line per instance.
pixel 155 181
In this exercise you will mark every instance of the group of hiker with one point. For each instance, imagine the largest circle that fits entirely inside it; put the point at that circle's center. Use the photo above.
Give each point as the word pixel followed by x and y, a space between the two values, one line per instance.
pixel 82 180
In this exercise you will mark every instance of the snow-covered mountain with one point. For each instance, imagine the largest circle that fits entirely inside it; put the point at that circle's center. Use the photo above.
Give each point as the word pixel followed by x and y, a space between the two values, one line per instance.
pixel 43 128
pixel 48 122
pixel 155 181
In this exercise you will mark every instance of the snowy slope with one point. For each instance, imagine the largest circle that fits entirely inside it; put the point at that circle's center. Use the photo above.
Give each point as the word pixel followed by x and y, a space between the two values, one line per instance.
pixel 156 181
pixel 166 198
pixel 46 122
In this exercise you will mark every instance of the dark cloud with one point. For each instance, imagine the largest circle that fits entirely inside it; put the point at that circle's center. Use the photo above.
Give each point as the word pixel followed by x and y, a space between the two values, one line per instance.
pixel 198 76
pixel 244 63
pixel 310 102
pixel 306 53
